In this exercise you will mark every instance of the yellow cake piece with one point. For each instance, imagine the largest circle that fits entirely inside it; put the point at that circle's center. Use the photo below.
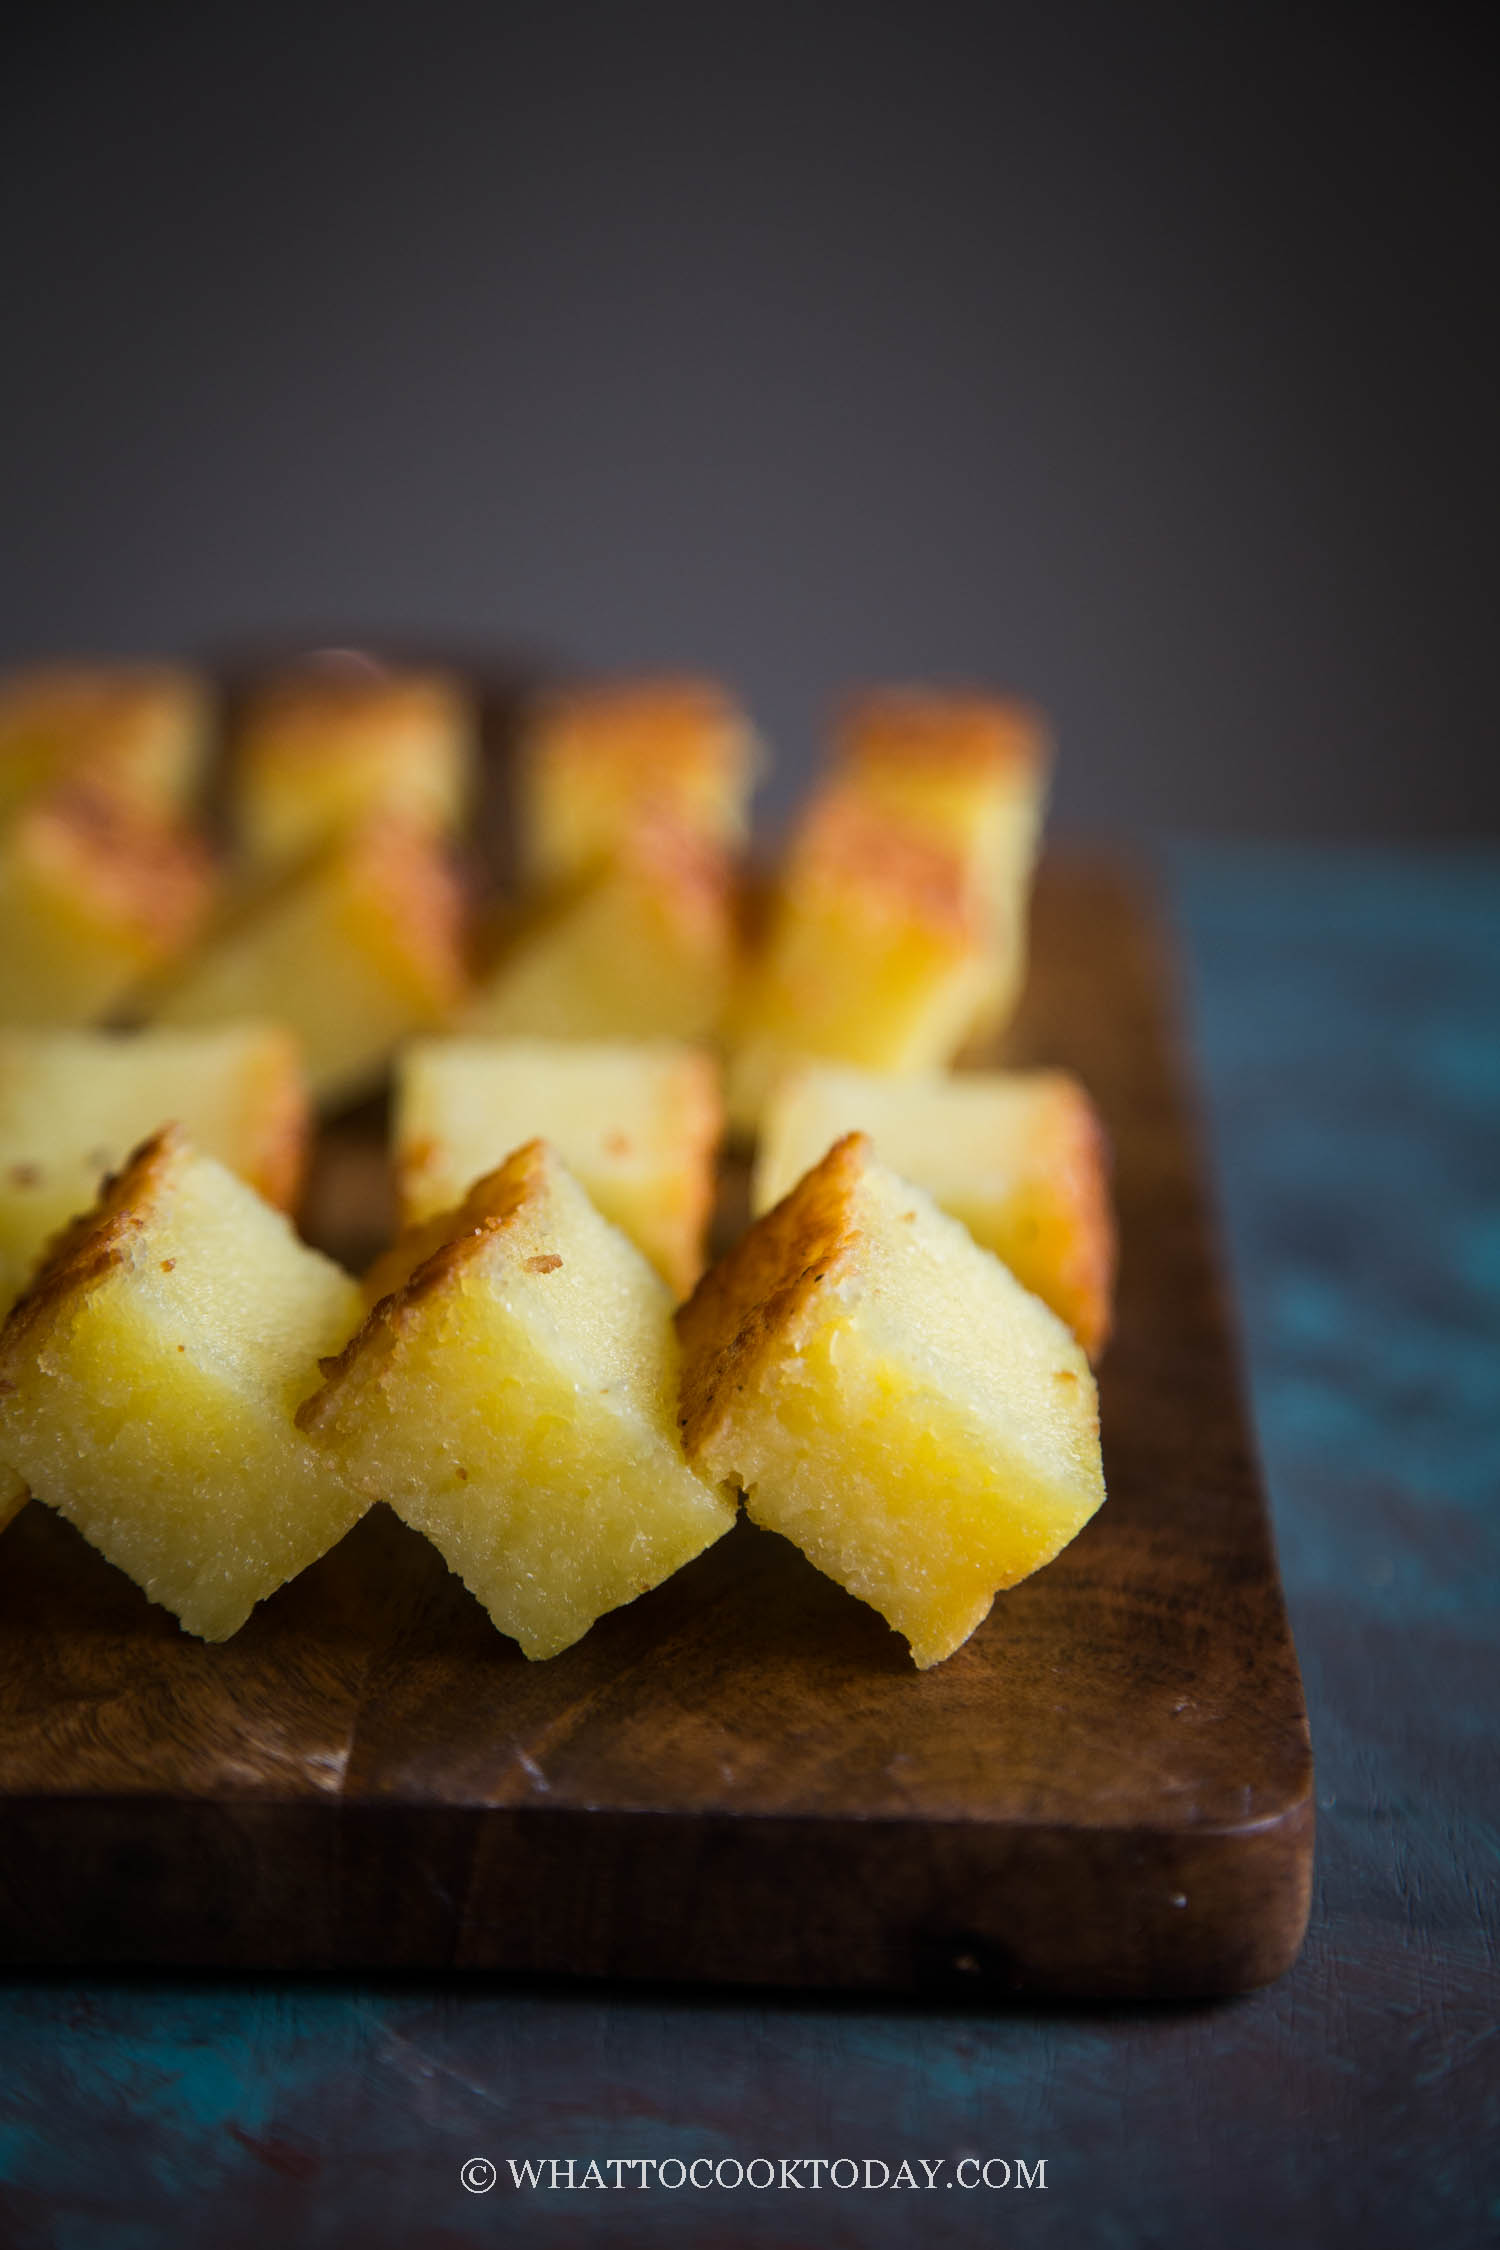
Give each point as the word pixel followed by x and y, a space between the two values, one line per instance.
pixel 352 950
pixel 891 1399
pixel 139 732
pixel 968 771
pixel 875 951
pixel 92 901
pixel 1019 1156
pixel 73 1104
pixel 149 1378
pixel 637 1125
pixel 595 758
pixel 320 751
pixel 644 948
pixel 515 1399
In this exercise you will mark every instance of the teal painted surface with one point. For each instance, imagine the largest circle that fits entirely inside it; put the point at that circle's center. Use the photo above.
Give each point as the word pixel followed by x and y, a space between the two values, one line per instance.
pixel 1347 1015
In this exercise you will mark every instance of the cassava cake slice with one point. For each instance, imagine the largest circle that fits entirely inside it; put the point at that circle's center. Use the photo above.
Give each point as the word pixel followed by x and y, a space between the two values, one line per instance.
pixel 875 951
pixel 94 899
pixel 1019 1156
pixel 889 1397
pixel 323 749
pixel 637 1125
pixel 645 947
pixel 514 1397
pixel 137 732
pixel 968 770
pixel 597 756
pixel 73 1104
pixel 150 1375
pixel 352 950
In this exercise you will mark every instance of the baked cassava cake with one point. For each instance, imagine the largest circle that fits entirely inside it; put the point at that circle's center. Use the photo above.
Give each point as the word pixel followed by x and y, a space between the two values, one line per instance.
pixel 93 900
pixel 889 1397
pixel 150 1375
pixel 874 951
pixel 968 770
pixel 515 1398
pixel 136 732
pixel 319 751
pixel 645 947
pixel 1019 1156
pixel 352 950
pixel 637 1125
pixel 595 757
pixel 73 1104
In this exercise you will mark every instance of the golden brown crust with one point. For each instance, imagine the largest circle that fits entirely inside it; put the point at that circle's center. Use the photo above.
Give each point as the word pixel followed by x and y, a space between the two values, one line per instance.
pixel 409 884
pixel 88 702
pixel 756 1296
pixel 844 844
pixel 85 1250
pixel 1081 1162
pixel 412 1248
pixel 956 730
pixel 151 882
pixel 325 710
pixel 697 1104
pixel 492 1206
pixel 651 728
pixel 687 878
pixel 278 1162
pixel 427 1259
pixel 690 874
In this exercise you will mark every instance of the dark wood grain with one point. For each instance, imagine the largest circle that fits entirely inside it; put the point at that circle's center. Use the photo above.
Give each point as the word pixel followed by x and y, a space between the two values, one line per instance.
pixel 740 1777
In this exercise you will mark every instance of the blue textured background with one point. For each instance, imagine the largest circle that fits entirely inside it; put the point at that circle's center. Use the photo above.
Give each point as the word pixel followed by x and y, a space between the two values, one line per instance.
pixel 1347 1017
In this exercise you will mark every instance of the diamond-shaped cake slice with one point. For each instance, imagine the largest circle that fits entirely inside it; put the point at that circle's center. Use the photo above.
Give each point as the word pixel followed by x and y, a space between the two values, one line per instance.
pixel 595 757
pixel 875 952
pixel 150 1375
pixel 352 950
pixel 137 732
pixel 638 1126
pixel 891 1399
pixel 320 751
pixel 515 1398
pixel 967 770
pixel 643 948
pixel 73 1104
pixel 93 899
pixel 1019 1156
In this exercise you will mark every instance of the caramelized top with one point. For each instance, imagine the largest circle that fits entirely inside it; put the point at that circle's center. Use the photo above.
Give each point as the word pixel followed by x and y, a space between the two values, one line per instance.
pixel 411 882
pixel 82 701
pixel 680 865
pixel 956 730
pixel 644 725
pixel 90 1245
pixel 331 707
pixel 746 1307
pixel 152 881
pixel 429 1257
pixel 845 844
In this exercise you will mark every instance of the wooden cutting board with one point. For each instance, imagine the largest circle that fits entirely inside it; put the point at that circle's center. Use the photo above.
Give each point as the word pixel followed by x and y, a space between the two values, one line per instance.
pixel 1108 1791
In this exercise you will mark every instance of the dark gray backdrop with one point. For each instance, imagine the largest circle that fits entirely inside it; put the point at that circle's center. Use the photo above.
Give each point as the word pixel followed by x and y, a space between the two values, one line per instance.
pixel 1137 357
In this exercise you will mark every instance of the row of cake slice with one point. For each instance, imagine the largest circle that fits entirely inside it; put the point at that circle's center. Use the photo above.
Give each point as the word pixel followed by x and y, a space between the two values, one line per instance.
pixel 1018 1156
pixel 891 932
pixel 883 1390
